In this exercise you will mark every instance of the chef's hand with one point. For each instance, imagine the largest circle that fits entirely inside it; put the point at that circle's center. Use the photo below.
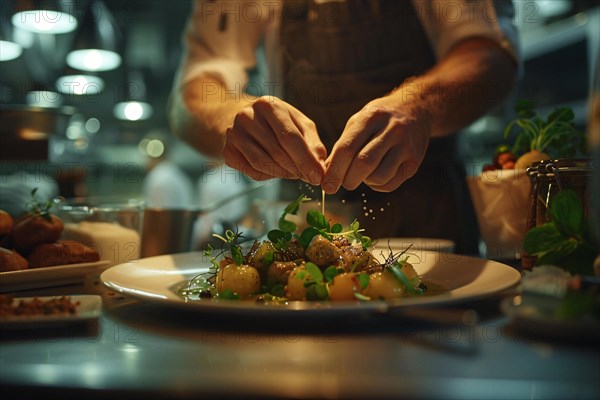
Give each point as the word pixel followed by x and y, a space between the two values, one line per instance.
pixel 382 145
pixel 272 139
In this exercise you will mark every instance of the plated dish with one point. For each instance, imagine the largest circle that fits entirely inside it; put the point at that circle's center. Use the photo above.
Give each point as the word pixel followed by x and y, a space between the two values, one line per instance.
pixel 49 276
pixel 86 308
pixel 160 279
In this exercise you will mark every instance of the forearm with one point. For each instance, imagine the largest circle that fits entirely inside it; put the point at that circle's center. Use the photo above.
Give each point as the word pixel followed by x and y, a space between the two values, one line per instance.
pixel 460 88
pixel 202 110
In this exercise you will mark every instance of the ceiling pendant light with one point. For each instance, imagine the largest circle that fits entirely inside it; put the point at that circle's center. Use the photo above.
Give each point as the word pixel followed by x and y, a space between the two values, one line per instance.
pixel 79 84
pixel 9 50
pixel 96 44
pixel 45 16
pixel 134 107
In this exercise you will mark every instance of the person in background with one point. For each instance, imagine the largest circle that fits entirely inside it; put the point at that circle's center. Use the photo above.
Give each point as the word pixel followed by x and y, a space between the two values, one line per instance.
pixel 363 98
pixel 166 185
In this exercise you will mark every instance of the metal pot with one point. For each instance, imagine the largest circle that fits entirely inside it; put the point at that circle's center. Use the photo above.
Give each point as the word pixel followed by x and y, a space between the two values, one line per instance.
pixel 167 231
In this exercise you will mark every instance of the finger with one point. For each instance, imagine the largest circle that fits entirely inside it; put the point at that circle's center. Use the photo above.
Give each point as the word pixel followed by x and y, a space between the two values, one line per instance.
pixel 404 172
pixel 387 168
pixel 236 160
pixel 344 151
pixel 366 162
pixel 255 155
pixel 249 127
pixel 290 138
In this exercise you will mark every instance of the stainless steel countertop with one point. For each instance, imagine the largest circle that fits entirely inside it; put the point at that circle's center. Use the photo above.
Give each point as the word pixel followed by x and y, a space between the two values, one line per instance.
pixel 140 350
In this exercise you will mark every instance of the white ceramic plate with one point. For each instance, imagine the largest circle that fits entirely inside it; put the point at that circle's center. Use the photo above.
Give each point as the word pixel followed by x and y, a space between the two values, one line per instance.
pixel 48 276
pixel 89 308
pixel 158 279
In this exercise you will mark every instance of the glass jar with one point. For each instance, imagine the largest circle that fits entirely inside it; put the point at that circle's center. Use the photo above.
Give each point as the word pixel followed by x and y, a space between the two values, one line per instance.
pixel 548 177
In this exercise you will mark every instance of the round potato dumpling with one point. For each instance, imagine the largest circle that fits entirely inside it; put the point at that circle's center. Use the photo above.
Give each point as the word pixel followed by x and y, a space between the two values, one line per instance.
pixel 384 285
pixel 322 251
pixel 295 289
pixel 344 286
pixel 240 279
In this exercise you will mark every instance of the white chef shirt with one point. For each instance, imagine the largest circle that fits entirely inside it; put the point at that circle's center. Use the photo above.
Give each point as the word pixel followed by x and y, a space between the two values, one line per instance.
pixel 227 54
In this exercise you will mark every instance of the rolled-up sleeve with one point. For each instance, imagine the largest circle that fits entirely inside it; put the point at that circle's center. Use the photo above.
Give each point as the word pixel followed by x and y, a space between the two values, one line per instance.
pixel 220 40
pixel 448 22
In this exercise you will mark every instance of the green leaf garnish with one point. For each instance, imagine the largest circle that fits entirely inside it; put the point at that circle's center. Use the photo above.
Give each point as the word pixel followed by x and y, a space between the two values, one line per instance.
pixel 314 272
pixel 363 279
pixel 317 292
pixel 331 272
pixel 556 136
pixel 565 241
pixel 228 294
pixel 317 220
pixel 396 269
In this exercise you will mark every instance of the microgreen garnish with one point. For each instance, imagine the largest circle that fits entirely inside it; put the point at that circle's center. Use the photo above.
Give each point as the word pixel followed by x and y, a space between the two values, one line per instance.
pixel 38 208
pixel 235 250
pixel 394 263
pixel 281 237
pixel 318 225
pixel 228 294
pixel 317 281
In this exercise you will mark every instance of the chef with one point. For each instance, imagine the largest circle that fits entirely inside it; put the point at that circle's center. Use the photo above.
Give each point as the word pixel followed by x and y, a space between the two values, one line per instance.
pixel 362 98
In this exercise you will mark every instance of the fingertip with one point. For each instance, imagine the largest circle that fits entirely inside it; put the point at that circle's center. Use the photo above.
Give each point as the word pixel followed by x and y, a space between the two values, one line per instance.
pixel 330 187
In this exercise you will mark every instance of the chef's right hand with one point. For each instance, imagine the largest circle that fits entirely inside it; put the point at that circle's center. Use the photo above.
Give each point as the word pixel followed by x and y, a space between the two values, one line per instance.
pixel 272 139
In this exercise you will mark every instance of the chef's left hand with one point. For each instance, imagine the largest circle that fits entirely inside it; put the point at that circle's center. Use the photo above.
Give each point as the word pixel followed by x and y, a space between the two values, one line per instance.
pixel 382 145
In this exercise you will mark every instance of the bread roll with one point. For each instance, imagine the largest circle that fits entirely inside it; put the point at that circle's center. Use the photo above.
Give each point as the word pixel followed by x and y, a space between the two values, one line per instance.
pixel 11 261
pixel 61 253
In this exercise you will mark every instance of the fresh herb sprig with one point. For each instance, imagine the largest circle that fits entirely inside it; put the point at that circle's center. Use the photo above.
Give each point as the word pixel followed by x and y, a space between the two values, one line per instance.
pixel 317 225
pixel 37 207
pixel 566 240
pixel 281 237
pixel 231 245
pixel 394 263
pixel 317 282
pixel 556 135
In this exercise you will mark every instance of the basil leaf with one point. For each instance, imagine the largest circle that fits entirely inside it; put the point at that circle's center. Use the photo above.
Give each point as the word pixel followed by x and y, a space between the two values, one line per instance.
pixel 229 294
pixel 316 219
pixel 331 272
pixel 307 236
pixel 286 226
pixel 337 228
pixel 364 280
pixel 317 292
pixel 294 206
pixel 542 239
pixel 564 114
pixel 314 272
pixel 277 236
pixel 566 212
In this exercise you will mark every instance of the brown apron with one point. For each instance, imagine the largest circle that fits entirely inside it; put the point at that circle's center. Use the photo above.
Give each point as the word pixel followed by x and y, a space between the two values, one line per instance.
pixel 339 55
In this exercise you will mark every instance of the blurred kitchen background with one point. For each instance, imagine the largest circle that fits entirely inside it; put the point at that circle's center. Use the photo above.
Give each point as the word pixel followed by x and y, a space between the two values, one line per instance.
pixel 105 141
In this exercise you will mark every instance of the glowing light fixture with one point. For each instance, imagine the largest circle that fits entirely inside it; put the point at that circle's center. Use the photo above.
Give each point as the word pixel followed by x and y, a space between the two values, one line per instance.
pixel 9 50
pixel 132 110
pixel 134 107
pixel 44 98
pixel 96 44
pixel 79 84
pixel 45 16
